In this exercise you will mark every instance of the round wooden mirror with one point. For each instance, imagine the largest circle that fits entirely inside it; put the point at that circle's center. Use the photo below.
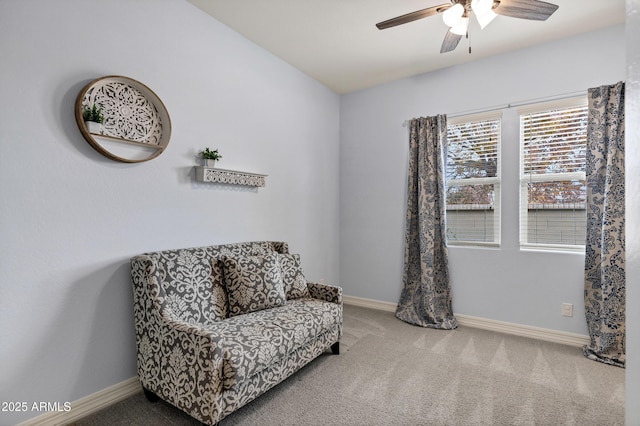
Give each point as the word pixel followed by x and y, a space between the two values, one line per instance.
pixel 135 123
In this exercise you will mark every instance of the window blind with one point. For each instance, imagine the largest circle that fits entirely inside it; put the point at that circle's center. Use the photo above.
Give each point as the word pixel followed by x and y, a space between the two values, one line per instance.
pixel 473 179
pixel 552 177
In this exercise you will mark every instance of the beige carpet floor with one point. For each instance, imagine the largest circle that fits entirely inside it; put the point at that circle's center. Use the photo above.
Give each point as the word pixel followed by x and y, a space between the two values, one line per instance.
pixel 392 373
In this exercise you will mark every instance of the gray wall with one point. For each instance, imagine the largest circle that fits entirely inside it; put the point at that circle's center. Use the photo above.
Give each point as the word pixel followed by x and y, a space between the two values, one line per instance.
pixel 506 284
pixel 632 147
pixel 70 219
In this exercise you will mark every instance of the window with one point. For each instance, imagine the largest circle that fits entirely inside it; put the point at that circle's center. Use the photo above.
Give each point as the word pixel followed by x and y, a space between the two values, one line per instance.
pixel 552 174
pixel 473 179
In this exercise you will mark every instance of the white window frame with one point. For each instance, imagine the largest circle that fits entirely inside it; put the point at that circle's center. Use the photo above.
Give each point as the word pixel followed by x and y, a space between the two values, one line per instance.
pixel 547 177
pixel 495 181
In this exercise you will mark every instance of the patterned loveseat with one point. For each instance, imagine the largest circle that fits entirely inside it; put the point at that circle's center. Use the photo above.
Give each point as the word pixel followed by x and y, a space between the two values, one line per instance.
pixel 218 326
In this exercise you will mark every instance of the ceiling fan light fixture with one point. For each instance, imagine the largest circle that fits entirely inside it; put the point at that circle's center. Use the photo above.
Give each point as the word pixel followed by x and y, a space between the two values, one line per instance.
pixel 483 11
pixel 481 7
pixel 453 15
pixel 485 18
pixel 461 26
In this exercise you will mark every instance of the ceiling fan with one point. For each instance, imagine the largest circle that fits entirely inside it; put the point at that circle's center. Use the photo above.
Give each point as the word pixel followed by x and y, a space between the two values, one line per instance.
pixel 456 15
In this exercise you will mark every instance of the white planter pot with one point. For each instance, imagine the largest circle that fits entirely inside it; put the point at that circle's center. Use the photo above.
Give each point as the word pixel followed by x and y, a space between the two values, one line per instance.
pixel 210 163
pixel 93 127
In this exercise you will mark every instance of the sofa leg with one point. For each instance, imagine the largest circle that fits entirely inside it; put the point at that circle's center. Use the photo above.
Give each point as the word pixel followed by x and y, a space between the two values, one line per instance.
pixel 152 397
pixel 335 348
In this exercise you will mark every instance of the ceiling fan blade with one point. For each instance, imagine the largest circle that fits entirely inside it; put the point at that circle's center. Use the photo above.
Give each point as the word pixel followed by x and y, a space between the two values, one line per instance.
pixel 413 16
pixel 450 42
pixel 534 10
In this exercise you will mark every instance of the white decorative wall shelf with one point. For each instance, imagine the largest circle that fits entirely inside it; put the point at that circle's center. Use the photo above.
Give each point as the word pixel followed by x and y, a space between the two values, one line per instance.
pixel 136 125
pixel 232 177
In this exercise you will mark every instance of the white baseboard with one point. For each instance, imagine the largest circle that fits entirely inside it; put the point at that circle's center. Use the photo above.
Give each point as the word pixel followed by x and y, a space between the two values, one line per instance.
pixel 88 405
pixel 548 335
pixel 369 303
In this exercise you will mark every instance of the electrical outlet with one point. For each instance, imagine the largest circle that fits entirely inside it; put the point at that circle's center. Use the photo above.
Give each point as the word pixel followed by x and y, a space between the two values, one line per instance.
pixel 567 310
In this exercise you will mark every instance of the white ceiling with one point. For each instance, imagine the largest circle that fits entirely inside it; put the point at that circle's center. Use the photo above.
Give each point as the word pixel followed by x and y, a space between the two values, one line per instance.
pixel 337 43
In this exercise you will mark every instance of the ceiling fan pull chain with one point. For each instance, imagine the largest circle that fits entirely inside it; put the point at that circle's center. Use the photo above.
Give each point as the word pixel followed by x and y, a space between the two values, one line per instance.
pixel 469 40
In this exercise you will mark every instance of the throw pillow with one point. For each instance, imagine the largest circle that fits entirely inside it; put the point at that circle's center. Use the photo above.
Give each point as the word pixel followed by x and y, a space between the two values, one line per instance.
pixel 295 285
pixel 253 283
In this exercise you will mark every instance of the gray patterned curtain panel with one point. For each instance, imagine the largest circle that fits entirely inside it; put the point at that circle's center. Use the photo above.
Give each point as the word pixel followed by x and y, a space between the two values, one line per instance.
pixel 605 245
pixel 426 297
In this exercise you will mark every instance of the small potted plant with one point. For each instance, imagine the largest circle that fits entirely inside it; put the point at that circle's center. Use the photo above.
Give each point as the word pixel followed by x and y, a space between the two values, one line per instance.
pixel 210 157
pixel 93 118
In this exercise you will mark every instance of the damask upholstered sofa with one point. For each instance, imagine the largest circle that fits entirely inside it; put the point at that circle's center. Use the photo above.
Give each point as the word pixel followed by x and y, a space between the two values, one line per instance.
pixel 218 326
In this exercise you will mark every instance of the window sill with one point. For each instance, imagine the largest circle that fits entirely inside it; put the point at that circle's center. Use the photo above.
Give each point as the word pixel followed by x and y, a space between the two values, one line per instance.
pixel 473 244
pixel 552 248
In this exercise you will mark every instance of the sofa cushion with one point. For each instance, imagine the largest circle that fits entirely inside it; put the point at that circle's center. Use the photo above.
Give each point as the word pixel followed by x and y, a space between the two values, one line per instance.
pixel 295 285
pixel 191 278
pixel 253 283
pixel 186 276
pixel 255 341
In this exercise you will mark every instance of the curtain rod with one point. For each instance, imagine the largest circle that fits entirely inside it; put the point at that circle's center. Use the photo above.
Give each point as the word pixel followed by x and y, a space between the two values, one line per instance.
pixel 520 103
pixel 514 104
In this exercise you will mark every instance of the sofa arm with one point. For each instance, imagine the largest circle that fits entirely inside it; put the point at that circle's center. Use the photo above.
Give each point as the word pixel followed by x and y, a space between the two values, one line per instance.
pixel 325 292
pixel 189 341
pixel 179 361
pixel 184 367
